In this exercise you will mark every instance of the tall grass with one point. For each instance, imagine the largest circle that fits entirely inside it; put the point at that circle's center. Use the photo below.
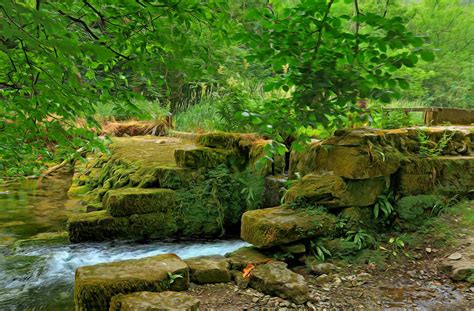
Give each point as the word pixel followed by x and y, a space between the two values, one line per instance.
pixel 202 117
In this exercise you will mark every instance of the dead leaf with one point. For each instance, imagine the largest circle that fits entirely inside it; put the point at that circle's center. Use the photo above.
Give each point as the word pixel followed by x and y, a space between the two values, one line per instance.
pixel 248 269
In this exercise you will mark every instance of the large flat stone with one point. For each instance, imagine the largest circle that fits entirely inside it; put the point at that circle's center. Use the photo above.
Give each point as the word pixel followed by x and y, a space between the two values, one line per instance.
pixel 101 226
pixel 281 225
pixel 333 191
pixel 148 301
pixel 205 157
pixel 276 279
pixel 209 269
pixel 129 201
pixel 96 285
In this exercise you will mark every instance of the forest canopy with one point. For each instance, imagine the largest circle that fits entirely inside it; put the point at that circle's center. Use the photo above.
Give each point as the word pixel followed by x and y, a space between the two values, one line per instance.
pixel 284 69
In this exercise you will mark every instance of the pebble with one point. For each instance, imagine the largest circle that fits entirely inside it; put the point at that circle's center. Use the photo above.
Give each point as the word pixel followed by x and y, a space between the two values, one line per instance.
pixel 255 299
pixel 455 256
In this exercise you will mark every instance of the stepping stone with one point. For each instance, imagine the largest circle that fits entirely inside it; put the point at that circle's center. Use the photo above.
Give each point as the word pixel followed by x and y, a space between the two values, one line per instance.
pixel 147 301
pixel 129 201
pixel 280 225
pixel 209 269
pixel 276 279
pixel 96 285
pixel 240 258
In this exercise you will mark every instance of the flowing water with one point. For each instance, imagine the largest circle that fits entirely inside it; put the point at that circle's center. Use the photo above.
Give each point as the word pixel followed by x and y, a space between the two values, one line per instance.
pixel 40 276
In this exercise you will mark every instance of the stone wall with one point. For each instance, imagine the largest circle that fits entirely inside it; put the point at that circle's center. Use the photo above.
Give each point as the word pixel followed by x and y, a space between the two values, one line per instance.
pixel 343 177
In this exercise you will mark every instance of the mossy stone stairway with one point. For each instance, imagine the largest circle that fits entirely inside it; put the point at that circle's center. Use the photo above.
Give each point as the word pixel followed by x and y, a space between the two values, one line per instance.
pixel 145 187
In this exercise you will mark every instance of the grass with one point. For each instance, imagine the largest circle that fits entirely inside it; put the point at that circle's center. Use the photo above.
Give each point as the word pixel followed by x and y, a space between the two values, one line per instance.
pixel 202 117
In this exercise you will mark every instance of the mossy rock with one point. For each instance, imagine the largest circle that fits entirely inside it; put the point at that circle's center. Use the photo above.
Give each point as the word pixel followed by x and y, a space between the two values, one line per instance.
pixel 239 259
pixel 199 157
pixel 362 162
pixel 148 301
pixel 209 269
pixel 96 226
pixel 446 175
pixel 96 285
pixel 333 191
pixel 220 139
pixel 276 279
pixel 129 201
pixel 101 226
pixel 412 208
pixel 281 225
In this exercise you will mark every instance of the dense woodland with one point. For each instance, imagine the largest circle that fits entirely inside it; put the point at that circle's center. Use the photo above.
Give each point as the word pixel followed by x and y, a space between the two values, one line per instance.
pixel 287 69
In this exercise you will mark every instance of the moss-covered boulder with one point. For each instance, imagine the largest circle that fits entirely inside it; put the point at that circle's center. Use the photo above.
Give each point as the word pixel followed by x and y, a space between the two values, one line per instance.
pixel 96 285
pixel 204 157
pixel 209 269
pixel 281 225
pixel 276 279
pixel 225 140
pixel 445 174
pixel 240 258
pixel 365 162
pixel 148 301
pixel 101 226
pixel 334 191
pixel 96 226
pixel 129 201
pixel 411 208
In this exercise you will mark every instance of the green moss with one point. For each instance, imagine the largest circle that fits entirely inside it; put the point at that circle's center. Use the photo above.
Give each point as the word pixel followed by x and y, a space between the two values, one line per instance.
pixel 334 191
pixel 219 140
pixel 101 226
pixel 96 226
pixel 412 208
pixel 166 301
pixel 129 201
pixel 198 157
pixel 280 225
pixel 96 285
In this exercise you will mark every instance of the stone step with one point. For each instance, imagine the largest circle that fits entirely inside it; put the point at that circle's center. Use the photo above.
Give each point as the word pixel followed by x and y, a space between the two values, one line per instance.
pixel 204 157
pixel 282 225
pixel 96 285
pixel 101 226
pixel 276 279
pixel 129 201
pixel 209 269
pixel 142 301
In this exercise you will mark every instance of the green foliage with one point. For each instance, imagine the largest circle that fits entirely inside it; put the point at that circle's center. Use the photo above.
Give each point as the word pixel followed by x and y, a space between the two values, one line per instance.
pixel 172 277
pixel 448 80
pixel 218 200
pixel 429 148
pixel 393 119
pixel 319 251
pixel 322 61
pixel 360 238
pixel 383 208
pixel 59 60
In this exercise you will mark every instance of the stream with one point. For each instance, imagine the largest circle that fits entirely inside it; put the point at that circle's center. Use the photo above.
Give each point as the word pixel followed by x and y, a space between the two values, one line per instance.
pixel 39 276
